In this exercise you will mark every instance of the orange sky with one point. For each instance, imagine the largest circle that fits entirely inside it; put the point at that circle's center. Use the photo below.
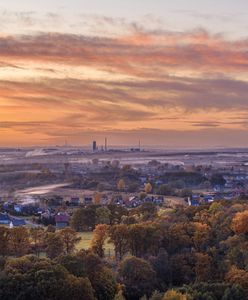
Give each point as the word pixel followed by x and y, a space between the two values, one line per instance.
pixel 186 88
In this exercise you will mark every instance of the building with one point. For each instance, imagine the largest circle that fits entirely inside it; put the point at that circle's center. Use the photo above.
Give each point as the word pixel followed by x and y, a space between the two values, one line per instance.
pixel 4 219
pixel 17 222
pixel 94 146
pixel 88 200
pixel 75 201
pixel 62 220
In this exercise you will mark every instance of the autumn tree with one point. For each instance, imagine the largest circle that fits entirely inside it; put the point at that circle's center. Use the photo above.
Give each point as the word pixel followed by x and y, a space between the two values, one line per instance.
pixel 19 241
pixel 37 236
pixel 54 245
pixel 240 222
pixel 148 188
pixel 121 185
pixel 70 238
pixel 97 198
pixel 203 267
pixel 119 237
pixel 239 277
pixel 201 236
pixel 99 238
pixel 4 241
pixel 138 277
pixel 174 295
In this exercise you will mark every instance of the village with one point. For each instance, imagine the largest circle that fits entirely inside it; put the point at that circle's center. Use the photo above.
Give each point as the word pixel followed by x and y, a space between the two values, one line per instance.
pixel 44 193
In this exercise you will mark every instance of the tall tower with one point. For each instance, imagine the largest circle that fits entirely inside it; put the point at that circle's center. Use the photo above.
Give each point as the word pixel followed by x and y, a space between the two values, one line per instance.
pixel 106 145
pixel 94 147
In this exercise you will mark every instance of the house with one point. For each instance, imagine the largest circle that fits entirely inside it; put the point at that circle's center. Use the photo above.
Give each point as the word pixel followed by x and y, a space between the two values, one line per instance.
pixel 88 200
pixel 62 220
pixel 18 208
pixel 159 200
pixel 4 219
pixel 193 202
pixel 75 201
pixel 208 198
pixel 17 222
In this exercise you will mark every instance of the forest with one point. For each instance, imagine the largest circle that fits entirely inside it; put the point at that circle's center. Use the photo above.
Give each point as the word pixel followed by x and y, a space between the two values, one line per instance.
pixel 194 253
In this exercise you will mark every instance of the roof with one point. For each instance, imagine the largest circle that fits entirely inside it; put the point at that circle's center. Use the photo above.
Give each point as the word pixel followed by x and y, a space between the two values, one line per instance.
pixel 62 218
pixel 18 222
pixel 4 217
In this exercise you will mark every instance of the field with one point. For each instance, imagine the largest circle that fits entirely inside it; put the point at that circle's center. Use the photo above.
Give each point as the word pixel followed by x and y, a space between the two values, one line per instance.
pixel 85 243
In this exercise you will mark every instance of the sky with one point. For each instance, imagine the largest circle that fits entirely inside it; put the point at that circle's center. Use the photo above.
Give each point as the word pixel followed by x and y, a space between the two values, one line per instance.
pixel 169 73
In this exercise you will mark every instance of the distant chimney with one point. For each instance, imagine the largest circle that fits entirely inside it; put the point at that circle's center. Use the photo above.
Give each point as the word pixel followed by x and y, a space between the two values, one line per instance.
pixel 106 144
pixel 94 147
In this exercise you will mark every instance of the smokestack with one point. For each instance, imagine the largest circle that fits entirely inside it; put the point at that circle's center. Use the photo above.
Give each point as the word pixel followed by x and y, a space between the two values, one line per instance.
pixel 106 144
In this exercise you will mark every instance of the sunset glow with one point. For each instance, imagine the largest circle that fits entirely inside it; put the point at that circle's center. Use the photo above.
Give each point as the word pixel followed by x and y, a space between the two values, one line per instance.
pixel 167 78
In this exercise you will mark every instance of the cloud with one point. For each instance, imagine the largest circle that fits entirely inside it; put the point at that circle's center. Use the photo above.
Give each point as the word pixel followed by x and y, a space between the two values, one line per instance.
pixel 143 54
pixel 165 82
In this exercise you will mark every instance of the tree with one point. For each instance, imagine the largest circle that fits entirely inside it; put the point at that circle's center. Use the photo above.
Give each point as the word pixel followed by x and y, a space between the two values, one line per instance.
pixel 84 218
pixel 119 237
pixel 97 198
pixel 54 245
pixel 4 241
pixel 70 239
pixel 37 237
pixel 238 277
pixel 174 295
pixel 203 267
pixel 165 189
pixel 138 278
pixel 104 284
pixel 240 222
pixel 148 188
pixel 121 185
pixel 156 296
pixel 74 264
pixel 33 278
pixel 161 266
pixel 99 238
pixel 103 215
pixel 116 213
pixel 201 236
pixel 19 242
pixel 148 211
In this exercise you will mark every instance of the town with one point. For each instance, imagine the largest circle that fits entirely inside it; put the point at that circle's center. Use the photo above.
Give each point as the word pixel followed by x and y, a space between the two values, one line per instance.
pixel 43 193
pixel 170 217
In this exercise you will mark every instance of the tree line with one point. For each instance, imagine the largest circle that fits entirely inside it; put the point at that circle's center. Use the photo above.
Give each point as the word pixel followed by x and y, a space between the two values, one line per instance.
pixel 191 253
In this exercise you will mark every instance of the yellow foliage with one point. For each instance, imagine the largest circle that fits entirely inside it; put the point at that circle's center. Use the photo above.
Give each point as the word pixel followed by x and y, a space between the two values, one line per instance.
pixel 148 188
pixel 174 295
pixel 121 184
pixel 240 222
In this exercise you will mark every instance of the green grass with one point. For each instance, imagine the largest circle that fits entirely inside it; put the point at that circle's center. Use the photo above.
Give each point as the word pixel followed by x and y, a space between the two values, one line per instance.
pixel 85 243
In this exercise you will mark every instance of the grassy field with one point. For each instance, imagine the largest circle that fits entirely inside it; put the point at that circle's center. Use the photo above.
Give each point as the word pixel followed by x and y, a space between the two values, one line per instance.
pixel 85 243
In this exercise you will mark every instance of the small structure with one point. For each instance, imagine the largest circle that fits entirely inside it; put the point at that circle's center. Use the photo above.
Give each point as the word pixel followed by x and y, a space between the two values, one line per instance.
pixel 75 201
pixel 193 201
pixel 62 220
pixel 4 219
pixel 88 200
pixel 17 222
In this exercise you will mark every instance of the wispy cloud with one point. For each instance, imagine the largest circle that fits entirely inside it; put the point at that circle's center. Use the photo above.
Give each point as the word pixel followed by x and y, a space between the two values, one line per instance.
pixel 180 82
